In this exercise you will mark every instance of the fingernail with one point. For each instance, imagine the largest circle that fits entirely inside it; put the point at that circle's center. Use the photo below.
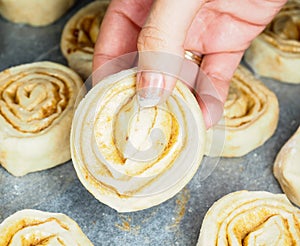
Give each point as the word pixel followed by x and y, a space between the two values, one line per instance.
pixel 149 88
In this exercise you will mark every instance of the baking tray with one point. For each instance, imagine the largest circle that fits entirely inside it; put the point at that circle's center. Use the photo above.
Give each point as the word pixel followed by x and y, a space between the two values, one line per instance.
pixel 176 221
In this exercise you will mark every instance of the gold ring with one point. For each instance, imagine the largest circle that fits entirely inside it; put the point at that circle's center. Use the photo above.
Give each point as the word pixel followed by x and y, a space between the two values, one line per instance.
pixel 189 55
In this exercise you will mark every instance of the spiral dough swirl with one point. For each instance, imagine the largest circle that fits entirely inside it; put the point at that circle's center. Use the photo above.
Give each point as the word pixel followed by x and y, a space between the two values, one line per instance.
pixel 132 158
pixel 36 108
pixel 34 227
pixel 275 53
pixel 33 98
pixel 79 37
pixel 283 32
pixel 250 116
pixel 251 218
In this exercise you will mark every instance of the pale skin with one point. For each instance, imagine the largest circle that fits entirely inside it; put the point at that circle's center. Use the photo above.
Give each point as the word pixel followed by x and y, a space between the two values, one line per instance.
pixel 221 30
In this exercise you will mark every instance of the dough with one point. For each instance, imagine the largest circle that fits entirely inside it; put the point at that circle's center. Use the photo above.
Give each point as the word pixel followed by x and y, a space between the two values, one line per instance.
pixel 250 117
pixel 79 37
pixel 34 12
pixel 36 109
pixel 34 227
pixel 133 158
pixel 287 168
pixel 276 52
pixel 251 218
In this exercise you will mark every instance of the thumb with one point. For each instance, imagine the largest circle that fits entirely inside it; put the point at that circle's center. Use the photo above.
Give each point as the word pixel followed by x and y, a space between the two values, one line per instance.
pixel 160 45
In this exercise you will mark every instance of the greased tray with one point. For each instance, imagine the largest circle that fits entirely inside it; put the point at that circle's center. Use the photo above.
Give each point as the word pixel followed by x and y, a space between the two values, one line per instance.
pixel 176 221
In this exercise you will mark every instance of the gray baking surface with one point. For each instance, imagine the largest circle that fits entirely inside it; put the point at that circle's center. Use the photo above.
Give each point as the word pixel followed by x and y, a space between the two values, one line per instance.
pixel 176 221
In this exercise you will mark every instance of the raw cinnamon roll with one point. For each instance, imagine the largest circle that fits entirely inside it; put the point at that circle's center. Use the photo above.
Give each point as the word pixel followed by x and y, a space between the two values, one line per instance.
pixel 133 158
pixel 276 52
pixel 34 12
pixel 287 168
pixel 250 116
pixel 34 227
pixel 36 109
pixel 79 37
pixel 251 218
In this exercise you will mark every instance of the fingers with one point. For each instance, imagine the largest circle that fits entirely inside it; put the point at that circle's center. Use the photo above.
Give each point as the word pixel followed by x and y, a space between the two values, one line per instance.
pixel 214 32
pixel 222 32
pixel 244 10
pixel 119 30
pixel 213 83
pixel 160 46
pixel 220 27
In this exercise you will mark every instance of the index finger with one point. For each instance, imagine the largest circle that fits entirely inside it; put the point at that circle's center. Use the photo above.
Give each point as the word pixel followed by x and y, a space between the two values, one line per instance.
pixel 119 29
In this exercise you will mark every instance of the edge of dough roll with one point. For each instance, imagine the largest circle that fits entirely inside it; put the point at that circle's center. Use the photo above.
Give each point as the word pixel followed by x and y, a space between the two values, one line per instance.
pixel 36 110
pixel 251 218
pixel 275 53
pixel 79 37
pixel 287 168
pixel 34 227
pixel 250 117
pixel 133 158
pixel 34 12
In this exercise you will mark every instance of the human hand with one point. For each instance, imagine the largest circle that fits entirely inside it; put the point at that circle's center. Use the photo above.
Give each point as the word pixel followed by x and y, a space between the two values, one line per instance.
pixel 219 30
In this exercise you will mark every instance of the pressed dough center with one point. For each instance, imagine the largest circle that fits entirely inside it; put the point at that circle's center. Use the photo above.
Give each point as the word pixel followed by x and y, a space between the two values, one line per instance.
pixel 142 134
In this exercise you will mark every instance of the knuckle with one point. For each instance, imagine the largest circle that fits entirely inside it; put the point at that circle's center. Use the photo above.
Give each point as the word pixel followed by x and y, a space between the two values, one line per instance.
pixel 151 38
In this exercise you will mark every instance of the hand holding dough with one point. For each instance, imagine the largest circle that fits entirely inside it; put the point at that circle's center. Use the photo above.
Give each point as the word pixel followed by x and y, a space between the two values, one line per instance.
pixel 251 218
pixel 133 158
pixel 287 168
pixel 34 227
